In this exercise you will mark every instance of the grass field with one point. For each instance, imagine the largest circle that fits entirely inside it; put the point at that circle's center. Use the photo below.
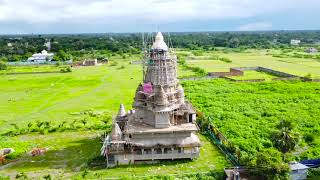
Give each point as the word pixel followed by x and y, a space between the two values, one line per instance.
pixel 69 153
pixel 27 69
pixel 62 97
pixel 254 75
pixel 296 66
pixel 65 97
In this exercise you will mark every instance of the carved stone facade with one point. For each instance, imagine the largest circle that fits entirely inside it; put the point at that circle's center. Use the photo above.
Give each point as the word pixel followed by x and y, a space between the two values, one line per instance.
pixel 162 124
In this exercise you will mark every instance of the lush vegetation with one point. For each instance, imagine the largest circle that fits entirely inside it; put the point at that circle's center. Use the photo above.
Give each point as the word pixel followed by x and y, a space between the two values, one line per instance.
pixel 68 109
pixel 20 47
pixel 251 114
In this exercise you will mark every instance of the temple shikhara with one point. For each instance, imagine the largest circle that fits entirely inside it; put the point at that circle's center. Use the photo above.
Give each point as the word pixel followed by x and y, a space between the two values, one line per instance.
pixel 162 125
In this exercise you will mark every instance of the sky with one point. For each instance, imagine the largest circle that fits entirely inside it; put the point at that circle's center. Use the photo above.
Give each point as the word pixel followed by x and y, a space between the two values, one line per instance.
pixel 101 16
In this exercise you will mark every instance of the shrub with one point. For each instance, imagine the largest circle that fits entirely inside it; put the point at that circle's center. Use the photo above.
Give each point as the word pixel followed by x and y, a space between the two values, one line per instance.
pixel 47 177
pixel 198 53
pixel 3 65
pixel 224 59
pixel 21 176
pixel 66 69
pixel 309 138
pixel 309 76
pixel 314 173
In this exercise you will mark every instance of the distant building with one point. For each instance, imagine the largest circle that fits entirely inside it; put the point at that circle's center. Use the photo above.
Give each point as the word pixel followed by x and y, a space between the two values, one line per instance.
pixel 9 45
pixel 311 50
pixel 295 42
pixel 44 56
pixel 90 62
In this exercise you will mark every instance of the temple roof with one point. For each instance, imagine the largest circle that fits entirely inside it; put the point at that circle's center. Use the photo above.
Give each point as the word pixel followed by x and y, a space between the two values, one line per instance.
pixel 159 43
pixel 122 111
pixel 116 132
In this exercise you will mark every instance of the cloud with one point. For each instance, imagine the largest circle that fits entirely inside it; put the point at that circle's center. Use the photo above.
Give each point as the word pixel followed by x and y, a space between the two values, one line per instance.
pixel 257 26
pixel 39 11
pixel 122 12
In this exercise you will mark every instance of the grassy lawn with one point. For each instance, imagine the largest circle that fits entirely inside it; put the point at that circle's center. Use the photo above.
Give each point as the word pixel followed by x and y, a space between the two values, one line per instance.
pixel 254 75
pixel 69 153
pixel 210 159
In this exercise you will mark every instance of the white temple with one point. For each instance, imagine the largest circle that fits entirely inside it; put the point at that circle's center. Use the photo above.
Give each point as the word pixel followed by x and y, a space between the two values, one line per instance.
pixel 162 124
pixel 44 56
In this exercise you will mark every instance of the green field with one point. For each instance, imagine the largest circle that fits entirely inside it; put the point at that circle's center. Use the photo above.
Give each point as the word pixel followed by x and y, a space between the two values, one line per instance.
pixel 69 153
pixel 78 106
pixel 296 66
pixel 30 69
pixel 247 113
pixel 63 98
pixel 254 75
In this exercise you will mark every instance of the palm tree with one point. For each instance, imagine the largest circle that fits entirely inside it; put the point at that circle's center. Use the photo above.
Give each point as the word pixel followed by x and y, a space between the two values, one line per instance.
pixel 285 139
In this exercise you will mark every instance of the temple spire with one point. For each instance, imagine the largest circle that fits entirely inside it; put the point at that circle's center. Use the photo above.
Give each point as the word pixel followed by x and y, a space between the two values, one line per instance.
pixel 159 43
pixel 122 111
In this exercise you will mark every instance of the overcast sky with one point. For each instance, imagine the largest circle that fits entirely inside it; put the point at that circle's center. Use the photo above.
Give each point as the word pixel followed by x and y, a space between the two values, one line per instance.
pixel 90 16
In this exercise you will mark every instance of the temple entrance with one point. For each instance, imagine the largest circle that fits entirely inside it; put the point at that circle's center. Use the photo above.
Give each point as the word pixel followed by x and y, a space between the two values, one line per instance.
pixel 190 118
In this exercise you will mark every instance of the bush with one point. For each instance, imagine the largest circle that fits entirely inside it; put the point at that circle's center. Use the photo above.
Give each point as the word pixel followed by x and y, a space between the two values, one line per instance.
pixel 66 69
pixel 309 76
pixel 309 138
pixel 224 59
pixel 314 173
pixel 58 64
pixel 3 65
pixel 197 53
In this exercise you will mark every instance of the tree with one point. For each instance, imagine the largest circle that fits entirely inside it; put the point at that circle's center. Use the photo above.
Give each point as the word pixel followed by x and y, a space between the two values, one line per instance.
pixel 234 43
pixel 269 164
pixel 285 139
pixel 4 59
pixel 61 55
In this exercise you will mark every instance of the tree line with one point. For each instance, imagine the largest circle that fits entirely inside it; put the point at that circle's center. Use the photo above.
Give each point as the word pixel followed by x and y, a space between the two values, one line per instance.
pixel 20 47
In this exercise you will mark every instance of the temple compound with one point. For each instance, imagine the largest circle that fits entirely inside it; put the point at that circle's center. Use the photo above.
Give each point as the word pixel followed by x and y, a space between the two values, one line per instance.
pixel 162 124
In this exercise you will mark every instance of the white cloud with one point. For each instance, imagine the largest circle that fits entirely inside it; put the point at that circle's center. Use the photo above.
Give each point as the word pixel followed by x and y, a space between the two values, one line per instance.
pixel 257 26
pixel 40 11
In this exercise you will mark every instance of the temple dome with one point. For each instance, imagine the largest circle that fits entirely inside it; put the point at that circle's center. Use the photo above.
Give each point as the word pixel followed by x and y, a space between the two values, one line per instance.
pixel 159 43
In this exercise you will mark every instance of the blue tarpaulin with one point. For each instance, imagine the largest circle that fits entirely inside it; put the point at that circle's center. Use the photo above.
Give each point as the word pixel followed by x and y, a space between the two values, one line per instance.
pixel 313 163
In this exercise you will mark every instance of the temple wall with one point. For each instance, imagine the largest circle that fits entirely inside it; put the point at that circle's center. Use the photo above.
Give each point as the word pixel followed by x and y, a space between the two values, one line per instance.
pixel 162 120
pixel 146 116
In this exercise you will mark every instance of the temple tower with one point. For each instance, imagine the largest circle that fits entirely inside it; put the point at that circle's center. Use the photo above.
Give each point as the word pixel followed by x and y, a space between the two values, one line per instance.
pixel 161 93
pixel 162 124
